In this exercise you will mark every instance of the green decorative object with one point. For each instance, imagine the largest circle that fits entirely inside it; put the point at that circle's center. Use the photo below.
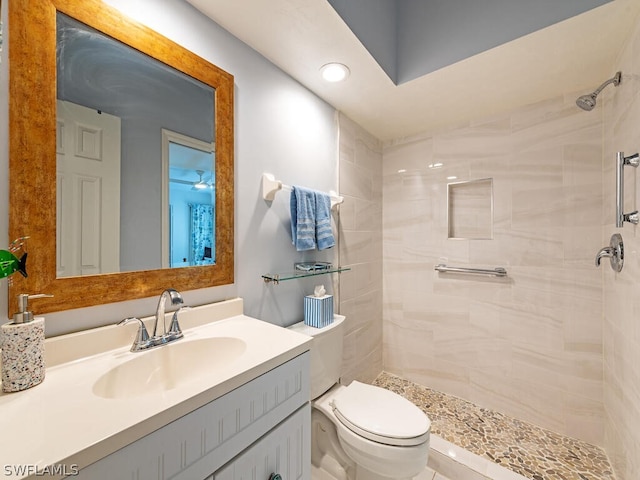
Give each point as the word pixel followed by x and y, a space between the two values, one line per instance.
pixel 9 261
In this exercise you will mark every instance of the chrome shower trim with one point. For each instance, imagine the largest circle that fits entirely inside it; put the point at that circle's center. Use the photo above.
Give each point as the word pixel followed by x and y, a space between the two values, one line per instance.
pixel 621 162
pixel 588 102
pixel 615 252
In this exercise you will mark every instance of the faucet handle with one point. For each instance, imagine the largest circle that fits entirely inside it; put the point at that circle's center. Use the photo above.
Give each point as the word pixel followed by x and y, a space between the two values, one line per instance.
pixel 174 328
pixel 142 337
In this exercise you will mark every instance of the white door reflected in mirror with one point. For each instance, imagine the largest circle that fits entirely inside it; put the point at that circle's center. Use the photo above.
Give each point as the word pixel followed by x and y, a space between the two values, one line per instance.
pixel 88 191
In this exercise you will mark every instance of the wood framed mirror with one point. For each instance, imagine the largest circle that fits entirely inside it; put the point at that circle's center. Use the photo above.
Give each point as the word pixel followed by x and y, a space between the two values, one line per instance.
pixel 33 166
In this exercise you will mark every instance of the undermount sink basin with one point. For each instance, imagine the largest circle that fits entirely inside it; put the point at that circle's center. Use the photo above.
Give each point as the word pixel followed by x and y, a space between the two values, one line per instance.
pixel 165 368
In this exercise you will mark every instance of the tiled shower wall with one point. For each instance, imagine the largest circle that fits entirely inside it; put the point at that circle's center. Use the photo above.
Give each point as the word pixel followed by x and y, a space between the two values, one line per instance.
pixel 361 249
pixel 532 345
pixel 621 291
pixel 528 345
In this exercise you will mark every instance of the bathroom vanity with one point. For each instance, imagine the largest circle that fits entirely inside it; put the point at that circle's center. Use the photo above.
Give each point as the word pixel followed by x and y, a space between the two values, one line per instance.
pixel 231 400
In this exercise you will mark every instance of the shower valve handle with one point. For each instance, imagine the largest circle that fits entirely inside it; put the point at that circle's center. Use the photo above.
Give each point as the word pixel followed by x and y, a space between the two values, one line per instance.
pixel 604 252
pixel 615 252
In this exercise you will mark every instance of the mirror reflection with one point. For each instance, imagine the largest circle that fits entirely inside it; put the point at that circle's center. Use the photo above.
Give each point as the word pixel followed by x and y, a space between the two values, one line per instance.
pixel 191 195
pixel 135 159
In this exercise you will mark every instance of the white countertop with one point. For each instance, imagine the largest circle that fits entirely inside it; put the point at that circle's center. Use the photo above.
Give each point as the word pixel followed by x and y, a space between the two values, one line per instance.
pixel 62 422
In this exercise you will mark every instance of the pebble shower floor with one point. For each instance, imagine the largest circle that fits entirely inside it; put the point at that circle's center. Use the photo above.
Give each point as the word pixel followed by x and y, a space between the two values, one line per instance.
pixel 531 451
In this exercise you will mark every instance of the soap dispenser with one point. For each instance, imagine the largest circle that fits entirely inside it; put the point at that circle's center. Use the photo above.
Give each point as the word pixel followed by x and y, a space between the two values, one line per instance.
pixel 22 343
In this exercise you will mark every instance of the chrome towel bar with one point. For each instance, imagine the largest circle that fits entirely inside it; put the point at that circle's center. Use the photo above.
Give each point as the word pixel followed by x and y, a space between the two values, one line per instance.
pixel 496 272
pixel 621 162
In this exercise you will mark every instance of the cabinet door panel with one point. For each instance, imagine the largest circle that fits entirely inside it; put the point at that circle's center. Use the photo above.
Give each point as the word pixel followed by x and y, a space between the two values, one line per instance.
pixel 285 450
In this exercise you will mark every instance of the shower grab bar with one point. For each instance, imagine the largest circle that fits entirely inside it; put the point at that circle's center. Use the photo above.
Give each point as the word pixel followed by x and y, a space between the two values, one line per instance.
pixel 496 272
pixel 621 162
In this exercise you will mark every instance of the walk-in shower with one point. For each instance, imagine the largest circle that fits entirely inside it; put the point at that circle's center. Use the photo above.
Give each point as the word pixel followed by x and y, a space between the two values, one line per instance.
pixel 588 102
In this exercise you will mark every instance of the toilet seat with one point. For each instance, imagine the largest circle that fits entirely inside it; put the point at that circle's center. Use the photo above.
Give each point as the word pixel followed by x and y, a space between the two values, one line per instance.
pixel 380 415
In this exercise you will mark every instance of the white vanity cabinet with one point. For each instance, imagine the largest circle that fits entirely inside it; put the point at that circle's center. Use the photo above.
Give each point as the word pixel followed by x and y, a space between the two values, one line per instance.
pixel 260 428
pixel 281 451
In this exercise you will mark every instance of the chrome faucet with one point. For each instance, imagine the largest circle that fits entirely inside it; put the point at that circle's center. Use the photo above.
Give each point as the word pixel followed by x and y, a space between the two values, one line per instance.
pixel 176 299
pixel 142 340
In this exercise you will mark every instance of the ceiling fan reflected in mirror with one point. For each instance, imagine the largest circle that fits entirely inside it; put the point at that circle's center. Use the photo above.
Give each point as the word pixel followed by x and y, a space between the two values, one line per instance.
pixel 200 184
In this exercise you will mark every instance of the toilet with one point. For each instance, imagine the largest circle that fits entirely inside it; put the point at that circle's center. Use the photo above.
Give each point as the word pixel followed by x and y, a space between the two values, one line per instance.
pixel 359 431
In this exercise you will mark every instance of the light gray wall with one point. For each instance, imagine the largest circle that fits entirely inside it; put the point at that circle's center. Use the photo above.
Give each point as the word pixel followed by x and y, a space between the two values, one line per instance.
pixel 4 150
pixel 432 35
pixel 280 128
pixel 375 23
pixel 410 38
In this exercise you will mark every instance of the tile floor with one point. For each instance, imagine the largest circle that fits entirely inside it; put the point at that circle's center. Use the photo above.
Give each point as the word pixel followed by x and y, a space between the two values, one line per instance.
pixel 430 474
pixel 527 450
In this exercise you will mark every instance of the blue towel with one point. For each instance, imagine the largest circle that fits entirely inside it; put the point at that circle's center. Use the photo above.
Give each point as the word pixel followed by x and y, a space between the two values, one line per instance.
pixel 303 218
pixel 311 219
pixel 324 233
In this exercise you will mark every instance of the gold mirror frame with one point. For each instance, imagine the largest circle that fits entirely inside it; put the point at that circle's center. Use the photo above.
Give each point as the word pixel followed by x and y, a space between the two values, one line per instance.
pixel 32 157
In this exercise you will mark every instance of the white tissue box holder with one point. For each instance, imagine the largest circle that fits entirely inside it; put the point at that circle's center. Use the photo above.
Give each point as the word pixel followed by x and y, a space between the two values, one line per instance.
pixel 318 311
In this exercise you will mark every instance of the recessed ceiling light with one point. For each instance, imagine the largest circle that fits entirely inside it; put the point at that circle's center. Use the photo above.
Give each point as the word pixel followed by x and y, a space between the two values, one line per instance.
pixel 334 72
pixel 402 170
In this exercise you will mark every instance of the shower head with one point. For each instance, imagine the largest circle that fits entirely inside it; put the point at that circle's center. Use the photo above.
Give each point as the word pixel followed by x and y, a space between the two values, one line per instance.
pixel 588 102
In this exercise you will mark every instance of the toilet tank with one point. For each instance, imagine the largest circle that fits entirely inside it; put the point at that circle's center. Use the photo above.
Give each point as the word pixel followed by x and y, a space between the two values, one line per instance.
pixel 326 353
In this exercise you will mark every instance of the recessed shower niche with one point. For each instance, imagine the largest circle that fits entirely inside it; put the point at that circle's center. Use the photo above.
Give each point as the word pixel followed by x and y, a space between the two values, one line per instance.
pixel 470 209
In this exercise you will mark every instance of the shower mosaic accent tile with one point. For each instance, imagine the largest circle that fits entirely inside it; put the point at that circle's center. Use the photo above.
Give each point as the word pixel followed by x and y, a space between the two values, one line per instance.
pixel 531 451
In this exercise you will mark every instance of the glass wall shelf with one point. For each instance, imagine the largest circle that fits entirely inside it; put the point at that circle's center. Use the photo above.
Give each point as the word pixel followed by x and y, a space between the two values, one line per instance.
pixel 276 278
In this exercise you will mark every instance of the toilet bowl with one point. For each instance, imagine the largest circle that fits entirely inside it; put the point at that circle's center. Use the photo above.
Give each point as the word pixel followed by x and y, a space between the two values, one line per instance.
pixel 385 435
pixel 359 431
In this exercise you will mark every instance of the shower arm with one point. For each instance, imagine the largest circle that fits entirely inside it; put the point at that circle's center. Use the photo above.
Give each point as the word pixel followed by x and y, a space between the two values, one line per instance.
pixel 615 80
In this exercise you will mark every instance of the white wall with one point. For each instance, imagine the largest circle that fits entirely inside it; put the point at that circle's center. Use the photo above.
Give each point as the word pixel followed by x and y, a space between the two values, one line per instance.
pixel 280 127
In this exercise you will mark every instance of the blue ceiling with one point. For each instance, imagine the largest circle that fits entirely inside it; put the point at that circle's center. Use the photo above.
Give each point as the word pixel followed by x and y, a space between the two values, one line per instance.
pixel 411 38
